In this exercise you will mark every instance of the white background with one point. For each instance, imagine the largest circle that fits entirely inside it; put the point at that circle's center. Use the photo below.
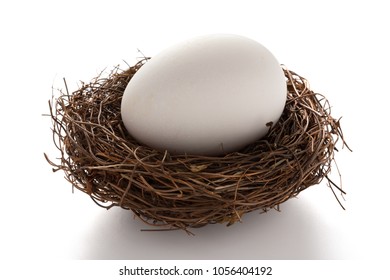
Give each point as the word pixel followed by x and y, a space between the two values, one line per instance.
pixel 341 47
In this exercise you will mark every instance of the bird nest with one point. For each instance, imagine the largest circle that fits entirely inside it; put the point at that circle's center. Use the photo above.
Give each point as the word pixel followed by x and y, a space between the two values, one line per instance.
pixel 101 159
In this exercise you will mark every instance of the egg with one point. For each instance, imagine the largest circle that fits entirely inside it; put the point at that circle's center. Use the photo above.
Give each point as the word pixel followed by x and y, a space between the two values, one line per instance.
pixel 209 95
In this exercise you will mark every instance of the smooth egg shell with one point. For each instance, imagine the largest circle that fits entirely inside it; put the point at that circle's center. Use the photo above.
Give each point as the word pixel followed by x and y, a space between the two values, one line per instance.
pixel 210 95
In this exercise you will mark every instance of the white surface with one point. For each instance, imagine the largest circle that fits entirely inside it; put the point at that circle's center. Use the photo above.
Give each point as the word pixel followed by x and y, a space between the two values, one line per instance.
pixel 341 47
pixel 208 95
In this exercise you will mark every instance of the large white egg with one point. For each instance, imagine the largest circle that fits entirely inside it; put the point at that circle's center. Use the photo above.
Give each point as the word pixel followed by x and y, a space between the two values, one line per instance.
pixel 209 95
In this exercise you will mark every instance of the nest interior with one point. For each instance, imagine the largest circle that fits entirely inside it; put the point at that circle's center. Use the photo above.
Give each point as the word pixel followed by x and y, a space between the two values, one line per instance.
pixel 101 159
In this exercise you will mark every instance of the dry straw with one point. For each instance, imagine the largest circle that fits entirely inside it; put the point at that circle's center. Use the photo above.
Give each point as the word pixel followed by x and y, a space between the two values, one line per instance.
pixel 101 159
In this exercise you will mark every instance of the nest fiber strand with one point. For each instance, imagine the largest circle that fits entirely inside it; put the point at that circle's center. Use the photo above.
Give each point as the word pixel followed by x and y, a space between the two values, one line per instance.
pixel 101 159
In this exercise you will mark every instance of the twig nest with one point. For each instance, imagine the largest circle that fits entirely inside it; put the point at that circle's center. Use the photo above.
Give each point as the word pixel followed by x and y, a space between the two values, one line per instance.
pixel 102 160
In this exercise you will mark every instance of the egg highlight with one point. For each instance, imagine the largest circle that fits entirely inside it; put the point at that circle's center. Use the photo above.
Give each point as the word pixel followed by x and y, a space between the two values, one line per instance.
pixel 209 95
